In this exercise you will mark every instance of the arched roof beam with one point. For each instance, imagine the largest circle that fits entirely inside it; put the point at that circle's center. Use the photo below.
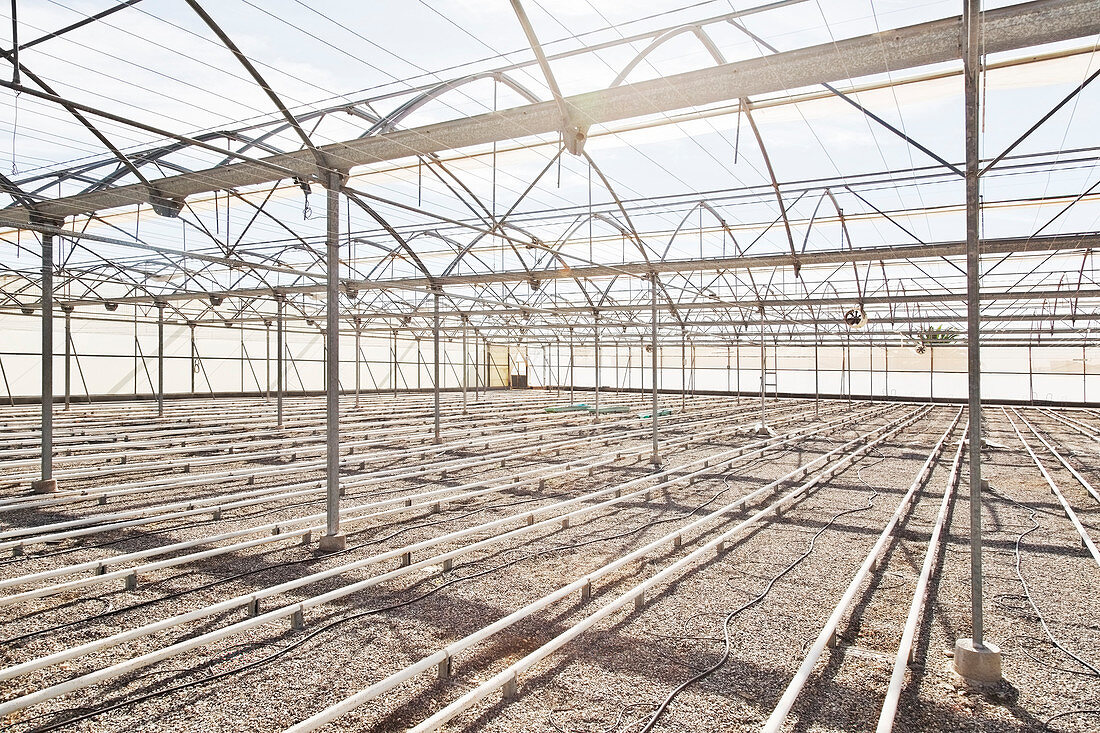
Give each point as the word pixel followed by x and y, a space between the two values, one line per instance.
pixel 391 120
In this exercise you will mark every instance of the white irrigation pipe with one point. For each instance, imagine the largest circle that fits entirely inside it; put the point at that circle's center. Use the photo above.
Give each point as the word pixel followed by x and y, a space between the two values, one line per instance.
pixel 153 513
pixel 920 596
pixel 1076 474
pixel 1070 514
pixel 173 481
pixel 1077 425
pixel 827 637
pixel 443 659
pixel 508 679
pixel 241 450
pixel 356 423
pixel 281 532
pixel 179 510
pixel 298 609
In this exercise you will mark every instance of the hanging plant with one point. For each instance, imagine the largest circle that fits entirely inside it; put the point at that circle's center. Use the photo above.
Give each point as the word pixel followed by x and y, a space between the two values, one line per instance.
pixel 937 336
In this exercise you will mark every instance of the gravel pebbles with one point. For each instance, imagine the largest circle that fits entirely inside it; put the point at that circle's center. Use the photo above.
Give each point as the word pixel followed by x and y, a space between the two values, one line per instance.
pixel 612 677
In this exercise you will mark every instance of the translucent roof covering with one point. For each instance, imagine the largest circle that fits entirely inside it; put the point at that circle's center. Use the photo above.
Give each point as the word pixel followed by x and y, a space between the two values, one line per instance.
pixel 778 210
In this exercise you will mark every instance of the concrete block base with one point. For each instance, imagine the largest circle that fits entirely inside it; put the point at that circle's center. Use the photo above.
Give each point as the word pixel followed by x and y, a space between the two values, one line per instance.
pixel 762 430
pixel 977 663
pixel 45 486
pixel 332 542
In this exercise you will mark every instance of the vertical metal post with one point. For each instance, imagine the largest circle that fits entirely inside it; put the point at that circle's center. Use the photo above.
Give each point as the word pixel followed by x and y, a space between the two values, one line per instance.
pixel 691 378
pixel 683 370
pixel 465 371
pixel 596 338
pixel 557 363
pixel 47 483
pixel 68 343
pixel 160 358
pixel 395 374
pixel 871 370
pixel 886 364
pixel 728 364
pixel 267 360
pixel 655 457
pixel 971 64
pixel 334 540
pixel 737 365
pixel 931 373
pixel 1030 378
pixel 848 366
pixel 194 357
pixel 817 372
pixel 763 370
pixel 616 369
pixel 477 366
pixel 358 333
pixel 435 363
pixel 488 367
pixel 570 366
pixel 280 351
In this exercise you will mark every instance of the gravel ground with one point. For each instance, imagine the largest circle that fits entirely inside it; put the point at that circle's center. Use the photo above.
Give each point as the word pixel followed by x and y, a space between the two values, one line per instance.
pixel 613 676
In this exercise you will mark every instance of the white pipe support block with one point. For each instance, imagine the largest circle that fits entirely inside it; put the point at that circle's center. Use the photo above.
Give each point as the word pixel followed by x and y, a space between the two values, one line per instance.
pixel 445 668
pixel 510 689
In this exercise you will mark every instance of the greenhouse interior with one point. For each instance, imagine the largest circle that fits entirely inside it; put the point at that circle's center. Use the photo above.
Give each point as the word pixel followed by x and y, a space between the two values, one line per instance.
pixel 591 367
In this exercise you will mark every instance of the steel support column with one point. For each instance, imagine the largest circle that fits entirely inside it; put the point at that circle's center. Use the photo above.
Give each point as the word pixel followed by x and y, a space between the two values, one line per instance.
pixel 47 482
pixel 763 371
pixel 971 70
pixel 68 352
pixel 596 337
pixel 973 657
pixel 683 370
pixel 571 366
pixel 358 333
pixel 194 360
pixel 817 375
pixel 280 350
pixel 333 539
pixel 160 359
pixel 465 369
pixel 435 366
pixel 655 457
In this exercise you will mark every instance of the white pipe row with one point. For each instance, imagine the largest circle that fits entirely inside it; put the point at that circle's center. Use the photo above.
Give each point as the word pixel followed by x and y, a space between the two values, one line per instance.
pixel 282 531
pixel 509 678
pixel 827 636
pixel 1070 514
pixel 565 515
pixel 920 597
pixel 216 505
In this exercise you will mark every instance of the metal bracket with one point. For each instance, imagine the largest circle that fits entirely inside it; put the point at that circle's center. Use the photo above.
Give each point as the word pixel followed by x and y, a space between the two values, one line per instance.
pixel 164 205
